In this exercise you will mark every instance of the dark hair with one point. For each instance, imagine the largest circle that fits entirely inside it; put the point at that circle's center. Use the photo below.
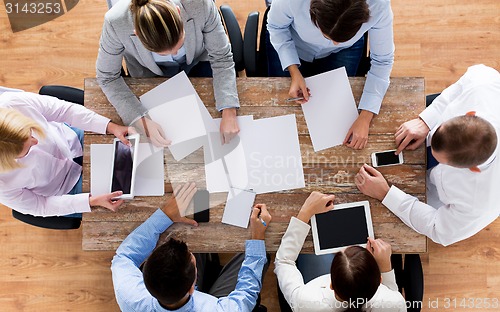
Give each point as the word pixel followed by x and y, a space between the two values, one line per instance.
pixel 339 20
pixel 169 273
pixel 355 274
pixel 157 24
pixel 467 141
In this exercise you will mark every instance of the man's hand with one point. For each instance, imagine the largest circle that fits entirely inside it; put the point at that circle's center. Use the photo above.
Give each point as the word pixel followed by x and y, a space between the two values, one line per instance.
pixel 298 87
pixel 381 251
pixel 176 206
pixel 411 134
pixel 316 203
pixel 229 125
pixel 120 132
pixel 153 131
pixel 108 201
pixel 357 136
pixel 371 182
pixel 260 215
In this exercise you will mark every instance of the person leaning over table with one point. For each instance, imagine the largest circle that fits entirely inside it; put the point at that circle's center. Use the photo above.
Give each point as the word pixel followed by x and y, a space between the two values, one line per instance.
pixel 40 143
pixel 359 279
pixel 162 38
pixel 170 277
pixel 310 37
pixel 461 126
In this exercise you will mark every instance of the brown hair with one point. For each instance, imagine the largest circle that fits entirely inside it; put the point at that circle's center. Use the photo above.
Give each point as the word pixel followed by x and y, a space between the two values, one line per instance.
pixel 15 130
pixel 467 141
pixel 339 20
pixel 157 23
pixel 169 272
pixel 355 275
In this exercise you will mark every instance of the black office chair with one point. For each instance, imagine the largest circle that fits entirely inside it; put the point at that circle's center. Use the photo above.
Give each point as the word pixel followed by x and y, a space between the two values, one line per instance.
pixel 56 223
pixel 430 98
pixel 364 63
pixel 409 278
pixel 255 54
pixel 234 33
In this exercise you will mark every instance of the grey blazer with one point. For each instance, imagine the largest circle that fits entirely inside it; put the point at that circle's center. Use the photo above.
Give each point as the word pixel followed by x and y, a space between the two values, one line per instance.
pixel 205 39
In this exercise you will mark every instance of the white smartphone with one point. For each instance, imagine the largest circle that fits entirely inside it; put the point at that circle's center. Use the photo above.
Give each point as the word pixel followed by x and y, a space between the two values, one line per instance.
pixel 124 167
pixel 386 158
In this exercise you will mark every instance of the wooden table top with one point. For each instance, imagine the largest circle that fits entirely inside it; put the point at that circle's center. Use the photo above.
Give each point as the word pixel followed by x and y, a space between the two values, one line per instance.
pixel 328 171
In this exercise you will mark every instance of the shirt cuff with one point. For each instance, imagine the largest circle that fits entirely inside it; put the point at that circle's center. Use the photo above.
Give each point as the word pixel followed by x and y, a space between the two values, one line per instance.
pixel 223 107
pixel 255 247
pixel 299 226
pixel 81 202
pixel 160 221
pixel 430 117
pixel 394 198
pixel 99 124
pixel 389 277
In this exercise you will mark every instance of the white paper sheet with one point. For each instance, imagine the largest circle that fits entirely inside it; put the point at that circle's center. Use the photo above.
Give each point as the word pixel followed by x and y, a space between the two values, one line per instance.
pixel 238 207
pixel 225 165
pixel 331 109
pixel 149 174
pixel 274 161
pixel 181 121
pixel 175 88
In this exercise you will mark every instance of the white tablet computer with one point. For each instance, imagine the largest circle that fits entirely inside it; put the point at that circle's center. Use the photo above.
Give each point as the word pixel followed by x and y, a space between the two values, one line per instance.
pixel 124 165
pixel 345 225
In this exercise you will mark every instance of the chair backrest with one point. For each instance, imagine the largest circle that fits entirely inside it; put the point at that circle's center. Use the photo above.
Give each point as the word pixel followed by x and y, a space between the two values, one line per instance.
pixel 364 63
pixel 250 52
pixel 234 33
pixel 53 223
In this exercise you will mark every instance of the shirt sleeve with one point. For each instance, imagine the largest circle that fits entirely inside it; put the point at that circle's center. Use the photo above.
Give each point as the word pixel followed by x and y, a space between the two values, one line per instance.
pixel 279 19
pixel 445 225
pixel 381 40
pixel 57 110
pixel 389 280
pixel 221 59
pixel 130 291
pixel 289 277
pixel 27 202
pixel 108 74
pixel 244 297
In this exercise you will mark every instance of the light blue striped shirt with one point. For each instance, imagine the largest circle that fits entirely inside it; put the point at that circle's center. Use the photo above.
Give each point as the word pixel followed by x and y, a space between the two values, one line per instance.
pixel 132 295
pixel 294 36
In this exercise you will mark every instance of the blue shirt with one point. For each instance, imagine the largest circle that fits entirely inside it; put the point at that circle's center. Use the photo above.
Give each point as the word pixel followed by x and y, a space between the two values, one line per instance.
pixel 295 37
pixel 132 295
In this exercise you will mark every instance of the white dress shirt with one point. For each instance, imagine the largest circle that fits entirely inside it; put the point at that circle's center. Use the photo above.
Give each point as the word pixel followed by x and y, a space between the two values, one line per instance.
pixel 48 172
pixel 460 202
pixel 294 36
pixel 316 295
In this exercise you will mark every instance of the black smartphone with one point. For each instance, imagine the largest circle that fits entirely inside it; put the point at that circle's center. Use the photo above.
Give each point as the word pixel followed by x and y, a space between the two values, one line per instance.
pixel 201 204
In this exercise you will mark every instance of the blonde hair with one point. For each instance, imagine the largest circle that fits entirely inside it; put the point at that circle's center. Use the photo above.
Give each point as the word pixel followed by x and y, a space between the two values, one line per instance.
pixel 158 24
pixel 15 130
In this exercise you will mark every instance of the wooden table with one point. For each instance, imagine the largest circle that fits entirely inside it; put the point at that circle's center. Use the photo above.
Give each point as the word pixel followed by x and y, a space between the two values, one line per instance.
pixel 328 171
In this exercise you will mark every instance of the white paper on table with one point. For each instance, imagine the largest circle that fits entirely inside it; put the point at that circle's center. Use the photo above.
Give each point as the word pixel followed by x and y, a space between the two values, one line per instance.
pixel 149 173
pixel 238 207
pixel 274 161
pixel 331 109
pixel 181 121
pixel 101 163
pixel 172 89
pixel 225 165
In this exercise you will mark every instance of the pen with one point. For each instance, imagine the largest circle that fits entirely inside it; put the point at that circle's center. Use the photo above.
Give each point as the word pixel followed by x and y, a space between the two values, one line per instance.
pixel 145 126
pixel 294 99
pixel 263 222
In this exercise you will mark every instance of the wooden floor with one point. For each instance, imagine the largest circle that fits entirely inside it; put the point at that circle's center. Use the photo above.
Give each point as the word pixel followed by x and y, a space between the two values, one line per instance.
pixel 42 270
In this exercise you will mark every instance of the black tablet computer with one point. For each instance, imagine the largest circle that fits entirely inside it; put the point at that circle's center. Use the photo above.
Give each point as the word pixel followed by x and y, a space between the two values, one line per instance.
pixel 345 225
